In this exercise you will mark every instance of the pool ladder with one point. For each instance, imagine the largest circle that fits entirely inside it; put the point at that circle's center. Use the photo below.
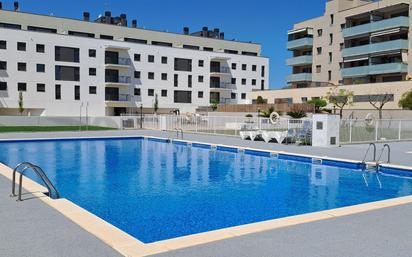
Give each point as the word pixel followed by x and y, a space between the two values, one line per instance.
pixel 23 167
pixel 385 146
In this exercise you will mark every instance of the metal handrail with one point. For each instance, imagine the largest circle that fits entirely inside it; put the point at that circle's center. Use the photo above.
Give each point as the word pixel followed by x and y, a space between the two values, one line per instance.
pixel 389 154
pixel 52 191
pixel 374 152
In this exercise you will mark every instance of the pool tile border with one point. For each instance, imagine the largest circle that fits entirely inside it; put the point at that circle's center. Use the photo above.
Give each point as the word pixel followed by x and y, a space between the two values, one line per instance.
pixel 127 245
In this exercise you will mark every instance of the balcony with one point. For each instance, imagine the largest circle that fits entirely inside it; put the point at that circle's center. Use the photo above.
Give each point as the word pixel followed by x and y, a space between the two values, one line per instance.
pixel 119 63
pixel 302 43
pixel 299 77
pixel 401 44
pixel 300 60
pixel 397 22
pixel 376 69
pixel 118 81
pixel 118 100
pixel 116 48
pixel 222 71
pixel 222 86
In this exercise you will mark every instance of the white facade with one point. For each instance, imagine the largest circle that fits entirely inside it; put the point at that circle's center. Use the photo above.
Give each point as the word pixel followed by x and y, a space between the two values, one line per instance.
pixel 127 99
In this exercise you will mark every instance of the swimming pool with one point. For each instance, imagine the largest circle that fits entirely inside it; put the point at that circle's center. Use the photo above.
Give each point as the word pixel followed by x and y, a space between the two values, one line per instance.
pixel 156 190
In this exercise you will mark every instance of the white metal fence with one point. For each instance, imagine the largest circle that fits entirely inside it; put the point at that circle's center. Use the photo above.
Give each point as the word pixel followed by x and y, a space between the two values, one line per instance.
pixel 362 131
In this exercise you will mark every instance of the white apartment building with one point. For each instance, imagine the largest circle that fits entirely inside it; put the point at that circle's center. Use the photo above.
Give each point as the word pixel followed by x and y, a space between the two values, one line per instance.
pixel 359 45
pixel 62 66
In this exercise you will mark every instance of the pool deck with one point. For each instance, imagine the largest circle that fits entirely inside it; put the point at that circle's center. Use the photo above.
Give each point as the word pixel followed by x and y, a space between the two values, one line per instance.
pixel 32 228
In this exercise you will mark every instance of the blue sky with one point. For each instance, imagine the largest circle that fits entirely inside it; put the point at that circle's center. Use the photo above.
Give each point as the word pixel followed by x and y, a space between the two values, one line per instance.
pixel 262 21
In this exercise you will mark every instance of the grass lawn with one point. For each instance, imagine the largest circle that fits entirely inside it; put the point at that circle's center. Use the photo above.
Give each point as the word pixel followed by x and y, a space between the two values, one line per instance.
pixel 7 129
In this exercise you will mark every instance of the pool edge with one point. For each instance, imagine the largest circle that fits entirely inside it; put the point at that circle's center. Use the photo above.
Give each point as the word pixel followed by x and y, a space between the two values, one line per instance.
pixel 127 245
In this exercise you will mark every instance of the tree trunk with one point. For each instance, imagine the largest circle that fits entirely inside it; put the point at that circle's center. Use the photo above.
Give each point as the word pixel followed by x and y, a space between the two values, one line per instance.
pixel 341 113
pixel 380 114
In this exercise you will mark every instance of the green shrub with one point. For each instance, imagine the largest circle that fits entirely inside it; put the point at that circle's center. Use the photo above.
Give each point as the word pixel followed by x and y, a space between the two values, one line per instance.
pixel 297 114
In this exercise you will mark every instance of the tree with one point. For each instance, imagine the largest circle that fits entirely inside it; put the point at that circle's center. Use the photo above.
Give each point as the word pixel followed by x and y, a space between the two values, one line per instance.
pixel 340 98
pixel 406 101
pixel 214 103
pixel 259 100
pixel 21 105
pixel 267 113
pixel 156 104
pixel 318 104
pixel 379 101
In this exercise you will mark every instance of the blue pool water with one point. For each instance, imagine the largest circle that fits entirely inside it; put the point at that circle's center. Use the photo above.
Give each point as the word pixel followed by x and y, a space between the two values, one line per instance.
pixel 157 190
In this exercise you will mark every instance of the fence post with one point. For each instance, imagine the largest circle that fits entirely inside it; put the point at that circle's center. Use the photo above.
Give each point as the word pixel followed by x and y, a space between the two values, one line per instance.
pixel 196 122
pixel 235 125
pixel 376 130
pixel 350 130
pixel 400 130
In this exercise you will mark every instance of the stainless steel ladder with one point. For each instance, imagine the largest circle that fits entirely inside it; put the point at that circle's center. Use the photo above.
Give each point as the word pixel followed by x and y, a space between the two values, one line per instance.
pixel 374 152
pixel 383 150
pixel 23 167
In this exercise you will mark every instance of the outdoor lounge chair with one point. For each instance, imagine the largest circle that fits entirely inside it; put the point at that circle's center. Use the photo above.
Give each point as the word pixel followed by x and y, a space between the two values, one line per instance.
pixel 279 136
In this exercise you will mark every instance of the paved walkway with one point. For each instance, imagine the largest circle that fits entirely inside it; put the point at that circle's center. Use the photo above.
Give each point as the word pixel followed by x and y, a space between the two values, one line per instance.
pixel 32 229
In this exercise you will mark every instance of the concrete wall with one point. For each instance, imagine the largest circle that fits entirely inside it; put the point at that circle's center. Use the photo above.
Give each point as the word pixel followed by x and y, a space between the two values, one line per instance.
pixel 112 122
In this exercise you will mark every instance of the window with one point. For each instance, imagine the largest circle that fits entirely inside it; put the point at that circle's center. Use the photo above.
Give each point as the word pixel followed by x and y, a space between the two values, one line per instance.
pixel 233 95
pixel 176 80
pixel 200 79
pixel 81 34
pixel 3 44
pixel 253 82
pixel 244 67
pixel 67 73
pixel 262 84
pixel 9 26
pixel 135 40
pixel 41 29
pixel 330 57
pixel 243 96
pixel 341 46
pixel 137 91
pixel 21 86
pixel 3 65
pixel 332 19
pixel 40 67
pixel 304 99
pixel 137 57
pixel 254 67
pixel 137 74
pixel 41 87
pixel 92 90
pixel 330 39
pixel 92 71
pixel 39 48
pixel 243 81
pixel 164 76
pixel 21 66
pixel 233 81
pixel 201 63
pixel 208 49
pixel 342 26
pixel 164 59
pixel 330 75
pixel 262 71
pixel 158 43
pixel 164 93
pixel 21 46
pixel 150 58
pixel 233 66
pixel 340 65
pixel 182 96
pixel 320 32
pixel 229 51
pixel 92 53
pixel 58 92
pixel 191 47
pixel 3 86
pixel 189 81
pixel 200 94
pixel 319 50
pixel 318 68
pixel 150 92
pixel 183 64
pixel 66 54
pixel 150 75
pixel 76 92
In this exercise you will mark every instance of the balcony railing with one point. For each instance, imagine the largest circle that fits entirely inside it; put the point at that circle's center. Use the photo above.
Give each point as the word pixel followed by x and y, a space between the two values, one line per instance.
pixel 119 79
pixel 400 21
pixel 118 61
pixel 374 70
pixel 225 70
pixel 300 60
pixel 225 85
pixel 118 98
pixel 306 42
pixel 400 44
pixel 299 77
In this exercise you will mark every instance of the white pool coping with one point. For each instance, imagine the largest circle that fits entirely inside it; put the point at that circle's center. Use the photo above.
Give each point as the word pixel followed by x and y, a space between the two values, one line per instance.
pixel 129 246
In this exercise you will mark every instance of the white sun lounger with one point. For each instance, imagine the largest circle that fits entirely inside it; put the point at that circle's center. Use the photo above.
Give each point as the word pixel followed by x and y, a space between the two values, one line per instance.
pixel 249 134
pixel 278 135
